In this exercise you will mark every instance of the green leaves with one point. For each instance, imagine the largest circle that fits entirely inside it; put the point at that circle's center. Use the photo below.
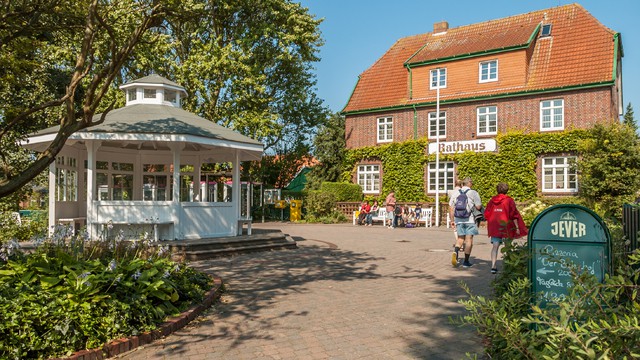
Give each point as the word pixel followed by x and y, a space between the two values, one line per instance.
pixel 595 321
pixel 54 304
pixel 609 167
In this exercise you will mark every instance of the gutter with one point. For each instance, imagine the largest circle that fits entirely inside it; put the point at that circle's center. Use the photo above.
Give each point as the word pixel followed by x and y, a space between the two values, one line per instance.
pixel 479 98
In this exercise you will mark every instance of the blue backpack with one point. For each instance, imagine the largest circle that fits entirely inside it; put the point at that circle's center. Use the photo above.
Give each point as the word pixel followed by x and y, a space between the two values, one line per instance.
pixel 461 209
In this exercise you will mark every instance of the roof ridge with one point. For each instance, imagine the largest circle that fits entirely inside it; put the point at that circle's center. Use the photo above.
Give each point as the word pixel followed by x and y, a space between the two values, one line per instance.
pixel 523 15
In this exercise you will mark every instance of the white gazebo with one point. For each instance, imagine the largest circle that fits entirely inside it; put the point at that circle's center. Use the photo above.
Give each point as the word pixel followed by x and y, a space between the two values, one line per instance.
pixel 150 167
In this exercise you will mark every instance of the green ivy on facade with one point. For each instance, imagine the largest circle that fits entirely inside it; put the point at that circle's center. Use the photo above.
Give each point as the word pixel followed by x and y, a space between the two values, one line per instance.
pixel 403 164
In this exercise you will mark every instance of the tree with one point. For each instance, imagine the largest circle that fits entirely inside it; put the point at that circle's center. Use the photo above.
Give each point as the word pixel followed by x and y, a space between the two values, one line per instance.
pixel 246 64
pixel 85 43
pixel 628 118
pixel 329 150
pixel 609 167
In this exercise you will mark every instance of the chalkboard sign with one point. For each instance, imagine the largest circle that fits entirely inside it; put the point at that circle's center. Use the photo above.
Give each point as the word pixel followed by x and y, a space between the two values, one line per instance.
pixel 565 239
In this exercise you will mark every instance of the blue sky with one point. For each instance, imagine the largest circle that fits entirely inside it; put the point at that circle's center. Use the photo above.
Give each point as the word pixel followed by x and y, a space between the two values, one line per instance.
pixel 358 32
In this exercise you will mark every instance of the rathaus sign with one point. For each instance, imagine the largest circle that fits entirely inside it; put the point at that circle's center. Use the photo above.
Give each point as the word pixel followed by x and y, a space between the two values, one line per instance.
pixel 452 147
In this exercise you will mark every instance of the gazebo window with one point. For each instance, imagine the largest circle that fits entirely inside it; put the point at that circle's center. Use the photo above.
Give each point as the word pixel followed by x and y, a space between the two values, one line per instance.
pixel 154 182
pixel 122 180
pixel 66 179
pixel 214 187
pixel 102 180
pixel 115 182
pixel 170 96
pixel 133 94
pixel 149 93
pixel 187 193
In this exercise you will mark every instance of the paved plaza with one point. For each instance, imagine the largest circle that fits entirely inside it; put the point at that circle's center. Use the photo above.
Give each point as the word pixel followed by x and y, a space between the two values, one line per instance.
pixel 347 292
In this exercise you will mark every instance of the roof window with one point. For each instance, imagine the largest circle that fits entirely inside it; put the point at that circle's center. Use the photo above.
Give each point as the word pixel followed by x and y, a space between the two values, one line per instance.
pixel 546 30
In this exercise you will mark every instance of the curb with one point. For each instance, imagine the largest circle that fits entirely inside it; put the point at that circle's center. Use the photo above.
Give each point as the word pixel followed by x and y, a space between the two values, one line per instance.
pixel 122 345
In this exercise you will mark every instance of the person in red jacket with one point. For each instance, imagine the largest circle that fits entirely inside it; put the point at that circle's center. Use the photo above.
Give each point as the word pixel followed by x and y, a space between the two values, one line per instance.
pixel 503 221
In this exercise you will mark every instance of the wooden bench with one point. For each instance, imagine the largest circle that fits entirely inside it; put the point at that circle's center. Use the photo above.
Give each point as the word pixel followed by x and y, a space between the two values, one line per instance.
pixel 76 223
pixel 154 224
pixel 381 215
pixel 242 222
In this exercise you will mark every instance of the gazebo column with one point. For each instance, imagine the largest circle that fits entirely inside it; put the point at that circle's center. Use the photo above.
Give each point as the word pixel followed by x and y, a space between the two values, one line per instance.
pixel 236 184
pixel 176 150
pixel 52 197
pixel 92 149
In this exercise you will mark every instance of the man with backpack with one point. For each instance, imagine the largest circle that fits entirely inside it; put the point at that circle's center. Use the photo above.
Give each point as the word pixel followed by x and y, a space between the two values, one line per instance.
pixel 461 206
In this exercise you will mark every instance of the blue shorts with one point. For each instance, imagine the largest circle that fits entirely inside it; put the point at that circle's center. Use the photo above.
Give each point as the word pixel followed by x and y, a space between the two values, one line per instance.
pixel 496 240
pixel 466 229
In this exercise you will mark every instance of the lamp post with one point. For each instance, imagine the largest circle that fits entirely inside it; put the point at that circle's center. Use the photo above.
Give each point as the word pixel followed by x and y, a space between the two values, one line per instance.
pixel 438 153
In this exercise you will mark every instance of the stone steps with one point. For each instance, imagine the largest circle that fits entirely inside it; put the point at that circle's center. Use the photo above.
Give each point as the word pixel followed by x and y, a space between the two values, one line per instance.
pixel 200 249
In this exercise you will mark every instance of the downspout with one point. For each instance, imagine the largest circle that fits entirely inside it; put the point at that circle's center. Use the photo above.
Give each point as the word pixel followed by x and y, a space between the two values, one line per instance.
pixel 415 112
pixel 415 123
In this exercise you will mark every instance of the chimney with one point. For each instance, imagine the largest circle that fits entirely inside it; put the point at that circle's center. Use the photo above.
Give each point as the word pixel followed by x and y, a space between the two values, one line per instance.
pixel 440 27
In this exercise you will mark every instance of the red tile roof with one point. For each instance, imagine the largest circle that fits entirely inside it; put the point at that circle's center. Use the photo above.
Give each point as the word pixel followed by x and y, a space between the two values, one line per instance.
pixel 580 51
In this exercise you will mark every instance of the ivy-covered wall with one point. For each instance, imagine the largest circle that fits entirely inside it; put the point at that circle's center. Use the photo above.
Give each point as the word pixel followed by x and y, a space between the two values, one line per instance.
pixel 403 164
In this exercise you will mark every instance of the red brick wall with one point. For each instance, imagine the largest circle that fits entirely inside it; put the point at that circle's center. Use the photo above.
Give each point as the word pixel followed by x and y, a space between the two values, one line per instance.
pixel 582 109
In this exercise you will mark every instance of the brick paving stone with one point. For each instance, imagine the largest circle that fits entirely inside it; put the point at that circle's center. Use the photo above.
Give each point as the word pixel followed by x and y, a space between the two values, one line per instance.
pixel 346 292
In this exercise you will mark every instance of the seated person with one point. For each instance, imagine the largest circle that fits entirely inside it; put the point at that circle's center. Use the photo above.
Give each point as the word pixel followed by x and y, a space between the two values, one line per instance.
pixel 417 214
pixel 365 208
pixel 407 216
pixel 373 211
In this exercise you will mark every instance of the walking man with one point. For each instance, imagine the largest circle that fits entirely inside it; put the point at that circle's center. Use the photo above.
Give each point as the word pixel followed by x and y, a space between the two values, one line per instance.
pixel 460 210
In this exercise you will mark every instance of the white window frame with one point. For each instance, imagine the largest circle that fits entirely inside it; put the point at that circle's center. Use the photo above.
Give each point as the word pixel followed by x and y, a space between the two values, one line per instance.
pixel 549 110
pixel 431 134
pixel 447 171
pixel 147 92
pixel 132 94
pixel 385 129
pixel 559 174
pixel 66 179
pixel 438 78
pixel 159 173
pixel 484 121
pixel 489 65
pixel 126 170
pixel 106 173
pixel 369 178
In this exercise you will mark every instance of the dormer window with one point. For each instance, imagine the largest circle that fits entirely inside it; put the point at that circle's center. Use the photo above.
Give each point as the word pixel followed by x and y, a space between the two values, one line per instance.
pixel 133 94
pixel 149 93
pixel 170 96
pixel 546 30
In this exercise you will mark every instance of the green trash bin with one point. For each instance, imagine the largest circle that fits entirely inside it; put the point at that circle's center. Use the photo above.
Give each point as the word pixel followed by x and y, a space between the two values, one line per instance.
pixel 295 210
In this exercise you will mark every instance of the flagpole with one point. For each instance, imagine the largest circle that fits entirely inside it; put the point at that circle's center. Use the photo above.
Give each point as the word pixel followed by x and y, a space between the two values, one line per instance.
pixel 438 154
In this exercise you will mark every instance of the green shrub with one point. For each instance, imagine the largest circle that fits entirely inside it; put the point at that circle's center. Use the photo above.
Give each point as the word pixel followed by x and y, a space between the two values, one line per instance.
pixel 74 294
pixel 594 321
pixel 32 227
pixel 343 191
pixel 320 204
pixel 335 217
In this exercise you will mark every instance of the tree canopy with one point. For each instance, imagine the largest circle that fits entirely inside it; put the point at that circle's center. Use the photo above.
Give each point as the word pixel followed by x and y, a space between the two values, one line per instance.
pixel 246 64
pixel 609 167
pixel 628 118
pixel 329 150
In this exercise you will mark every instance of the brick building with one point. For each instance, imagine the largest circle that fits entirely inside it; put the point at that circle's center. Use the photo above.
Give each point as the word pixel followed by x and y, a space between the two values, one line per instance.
pixel 545 71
